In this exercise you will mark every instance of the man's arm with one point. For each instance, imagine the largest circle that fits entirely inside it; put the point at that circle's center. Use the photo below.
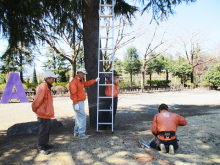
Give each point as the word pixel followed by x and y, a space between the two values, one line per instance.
pixel 39 98
pixel 109 78
pixel 73 93
pixel 89 83
pixel 154 126
pixel 181 120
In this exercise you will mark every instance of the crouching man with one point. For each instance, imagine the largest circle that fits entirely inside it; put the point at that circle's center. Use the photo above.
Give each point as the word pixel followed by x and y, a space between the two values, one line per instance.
pixel 164 128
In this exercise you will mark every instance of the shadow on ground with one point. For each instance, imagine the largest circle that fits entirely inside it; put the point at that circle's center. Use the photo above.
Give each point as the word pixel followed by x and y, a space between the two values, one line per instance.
pixel 107 148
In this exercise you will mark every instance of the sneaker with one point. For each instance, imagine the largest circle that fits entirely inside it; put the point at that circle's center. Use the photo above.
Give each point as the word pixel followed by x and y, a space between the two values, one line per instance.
pixel 75 135
pixel 171 149
pixel 44 152
pixel 84 137
pixel 162 148
pixel 48 147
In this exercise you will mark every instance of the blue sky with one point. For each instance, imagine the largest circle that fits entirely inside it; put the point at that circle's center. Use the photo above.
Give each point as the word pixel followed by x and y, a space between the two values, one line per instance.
pixel 203 15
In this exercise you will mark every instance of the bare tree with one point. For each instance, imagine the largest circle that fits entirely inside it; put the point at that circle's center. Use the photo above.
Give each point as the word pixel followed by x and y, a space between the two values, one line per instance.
pixel 123 38
pixel 149 55
pixel 74 42
pixel 192 50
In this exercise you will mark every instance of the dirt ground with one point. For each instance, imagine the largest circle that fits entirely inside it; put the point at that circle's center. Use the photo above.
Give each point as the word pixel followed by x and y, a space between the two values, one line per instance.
pixel 199 140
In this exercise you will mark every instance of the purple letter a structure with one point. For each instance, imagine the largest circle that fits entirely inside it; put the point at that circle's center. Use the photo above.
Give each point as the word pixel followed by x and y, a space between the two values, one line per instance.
pixel 14 80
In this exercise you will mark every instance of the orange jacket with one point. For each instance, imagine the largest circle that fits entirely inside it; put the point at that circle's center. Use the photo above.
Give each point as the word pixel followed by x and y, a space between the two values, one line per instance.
pixel 76 88
pixel 108 89
pixel 167 121
pixel 43 102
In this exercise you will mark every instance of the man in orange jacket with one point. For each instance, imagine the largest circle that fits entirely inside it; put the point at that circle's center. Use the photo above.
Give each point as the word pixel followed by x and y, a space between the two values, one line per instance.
pixel 78 95
pixel 43 107
pixel 108 92
pixel 164 128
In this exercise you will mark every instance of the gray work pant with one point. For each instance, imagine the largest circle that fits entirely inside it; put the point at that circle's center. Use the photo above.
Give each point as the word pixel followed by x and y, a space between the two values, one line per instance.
pixel 43 134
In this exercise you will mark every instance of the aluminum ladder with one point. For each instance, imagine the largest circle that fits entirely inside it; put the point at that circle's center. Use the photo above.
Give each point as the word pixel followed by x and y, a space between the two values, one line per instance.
pixel 106 13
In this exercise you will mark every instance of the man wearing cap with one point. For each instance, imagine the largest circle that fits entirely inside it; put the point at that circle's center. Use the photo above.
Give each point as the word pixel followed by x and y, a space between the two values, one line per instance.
pixel 164 128
pixel 108 93
pixel 78 95
pixel 43 107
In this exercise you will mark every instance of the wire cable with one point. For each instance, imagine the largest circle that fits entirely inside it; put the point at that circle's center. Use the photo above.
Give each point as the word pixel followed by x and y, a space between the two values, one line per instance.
pixel 150 157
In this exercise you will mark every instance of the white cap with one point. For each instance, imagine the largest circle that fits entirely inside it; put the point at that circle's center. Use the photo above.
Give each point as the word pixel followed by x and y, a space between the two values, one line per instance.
pixel 49 74
pixel 82 70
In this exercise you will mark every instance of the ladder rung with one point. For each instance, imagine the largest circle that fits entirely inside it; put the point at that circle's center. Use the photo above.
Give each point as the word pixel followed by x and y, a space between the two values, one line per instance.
pixel 107 5
pixel 106 37
pixel 106 84
pixel 106 49
pixel 106 16
pixel 105 110
pixel 106 123
pixel 105 97
pixel 105 60
pixel 105 72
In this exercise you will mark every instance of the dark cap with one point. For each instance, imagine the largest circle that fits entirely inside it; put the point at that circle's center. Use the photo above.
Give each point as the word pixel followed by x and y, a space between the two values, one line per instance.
pixel 115 73
pixel 162 107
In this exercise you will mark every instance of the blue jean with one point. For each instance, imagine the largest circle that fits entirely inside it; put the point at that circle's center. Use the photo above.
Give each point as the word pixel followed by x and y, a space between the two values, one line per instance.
pixel 80 120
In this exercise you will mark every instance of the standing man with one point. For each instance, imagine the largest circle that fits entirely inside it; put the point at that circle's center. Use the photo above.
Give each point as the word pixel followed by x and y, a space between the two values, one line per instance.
pixel 108 92
pixel 43 107
pixel 164 128
pixel 78 95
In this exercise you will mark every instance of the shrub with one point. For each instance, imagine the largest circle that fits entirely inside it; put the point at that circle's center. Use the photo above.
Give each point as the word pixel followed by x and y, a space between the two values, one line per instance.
pixel 125 84
pixel 31 85
pixel 212 76
pixel 159 82
pixel 61 84
pixel 191 85
pixel 2 86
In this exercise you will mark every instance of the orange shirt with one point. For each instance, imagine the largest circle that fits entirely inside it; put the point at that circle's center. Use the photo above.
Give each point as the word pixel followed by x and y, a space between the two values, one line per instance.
pixel 167 121
pixel 76 88
pixel 108 89
pixel 43 102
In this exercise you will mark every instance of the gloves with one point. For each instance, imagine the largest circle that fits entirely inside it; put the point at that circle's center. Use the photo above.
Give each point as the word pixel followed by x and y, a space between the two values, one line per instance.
pixel 97 79
pixel 76 107
pixel 107 76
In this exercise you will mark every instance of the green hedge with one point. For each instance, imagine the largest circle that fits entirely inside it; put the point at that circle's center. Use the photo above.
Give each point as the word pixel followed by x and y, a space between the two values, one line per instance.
pixel 60 84
pixel 159 82
pixel 2 86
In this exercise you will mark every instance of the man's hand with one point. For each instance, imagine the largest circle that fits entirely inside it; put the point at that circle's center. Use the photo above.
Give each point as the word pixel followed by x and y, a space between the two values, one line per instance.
pixel 76 107
pixel 97 79
pixel 107 76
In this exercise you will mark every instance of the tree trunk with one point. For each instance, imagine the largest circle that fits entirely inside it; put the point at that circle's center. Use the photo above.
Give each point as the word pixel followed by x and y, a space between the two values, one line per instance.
pixel 74 68
pixel 21 70
pixel 21 77
pixel 131 78
pixel 192 77
pixel 167 75
pixel 142 79
pixel 143 73
pixel 150 78
pixel 90 40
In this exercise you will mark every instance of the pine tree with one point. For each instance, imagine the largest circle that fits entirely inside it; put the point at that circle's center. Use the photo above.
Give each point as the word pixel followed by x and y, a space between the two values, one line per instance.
pixel 34 76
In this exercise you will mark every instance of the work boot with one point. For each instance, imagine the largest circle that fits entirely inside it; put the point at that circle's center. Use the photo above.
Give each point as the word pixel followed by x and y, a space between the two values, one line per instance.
pixel 44 151
pixel 171 149
pixel 75 135
pixel 49 147
pixel 162 148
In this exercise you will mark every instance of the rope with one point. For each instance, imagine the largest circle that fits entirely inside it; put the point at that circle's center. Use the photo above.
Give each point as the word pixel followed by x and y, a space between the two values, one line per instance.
pixel 150 157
